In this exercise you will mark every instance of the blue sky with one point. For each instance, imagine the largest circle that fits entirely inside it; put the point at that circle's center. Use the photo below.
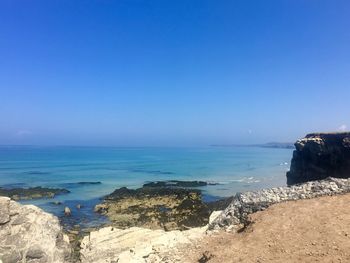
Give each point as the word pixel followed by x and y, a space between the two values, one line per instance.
pixel 182 72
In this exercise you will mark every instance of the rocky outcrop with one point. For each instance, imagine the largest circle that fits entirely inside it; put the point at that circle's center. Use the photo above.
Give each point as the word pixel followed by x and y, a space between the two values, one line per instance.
pixel 146 245
pixel 32 193
pixel 155 207
pixel 236 215
pixel 28 234
pixel 135 245
pixel 176 183
pixel 320 155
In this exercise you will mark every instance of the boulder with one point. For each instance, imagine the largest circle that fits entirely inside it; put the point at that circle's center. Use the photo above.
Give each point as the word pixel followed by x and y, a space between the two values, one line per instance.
pixel 28 234
pixel 67 211
pixel 320 155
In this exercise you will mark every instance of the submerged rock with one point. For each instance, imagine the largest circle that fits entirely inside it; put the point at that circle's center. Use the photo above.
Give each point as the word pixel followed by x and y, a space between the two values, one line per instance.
pixel 176 183
pixel 244 204
pixel 56 203
pixel 32 193
pixel 87 183
pixel 155 207
pixel 320 155
pixel 28 234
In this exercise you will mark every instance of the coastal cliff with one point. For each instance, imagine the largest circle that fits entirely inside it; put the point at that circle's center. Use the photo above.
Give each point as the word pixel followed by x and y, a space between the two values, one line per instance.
pixel 320 155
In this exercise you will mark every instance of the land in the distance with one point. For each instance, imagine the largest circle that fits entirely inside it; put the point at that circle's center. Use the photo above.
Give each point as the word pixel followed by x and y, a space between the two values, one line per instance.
pixel 281 145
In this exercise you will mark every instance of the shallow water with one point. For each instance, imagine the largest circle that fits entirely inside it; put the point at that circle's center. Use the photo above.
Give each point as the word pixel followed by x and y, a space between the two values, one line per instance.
pixel 236 169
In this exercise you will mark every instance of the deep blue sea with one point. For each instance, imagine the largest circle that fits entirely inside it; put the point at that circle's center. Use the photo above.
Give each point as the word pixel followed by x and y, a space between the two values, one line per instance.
pixel 235 169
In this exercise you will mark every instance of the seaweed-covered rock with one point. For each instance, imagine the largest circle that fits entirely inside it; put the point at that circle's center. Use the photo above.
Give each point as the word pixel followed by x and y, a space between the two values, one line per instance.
pixel 176 183
pixel 320 155
pixel 31 193
pixel 155 207
pixel 28 234
pixel 244 204
pixel 89 183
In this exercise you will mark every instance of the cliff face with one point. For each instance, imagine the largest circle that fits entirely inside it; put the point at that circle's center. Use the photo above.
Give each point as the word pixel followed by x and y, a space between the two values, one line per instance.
pixel 320 155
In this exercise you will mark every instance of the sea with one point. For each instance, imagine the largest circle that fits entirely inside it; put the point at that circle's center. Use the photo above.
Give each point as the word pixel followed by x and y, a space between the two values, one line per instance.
pixel 78 169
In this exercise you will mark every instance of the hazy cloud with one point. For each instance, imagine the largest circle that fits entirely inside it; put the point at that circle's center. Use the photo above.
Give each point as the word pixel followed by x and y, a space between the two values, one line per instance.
pixel 23 133
pixel 342 128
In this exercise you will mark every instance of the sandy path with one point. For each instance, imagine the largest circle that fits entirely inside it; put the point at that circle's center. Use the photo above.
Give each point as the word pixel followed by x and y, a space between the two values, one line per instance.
pixel 315 230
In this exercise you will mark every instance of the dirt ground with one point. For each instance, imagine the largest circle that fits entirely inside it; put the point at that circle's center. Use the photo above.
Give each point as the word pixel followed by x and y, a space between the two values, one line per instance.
pixel 315 230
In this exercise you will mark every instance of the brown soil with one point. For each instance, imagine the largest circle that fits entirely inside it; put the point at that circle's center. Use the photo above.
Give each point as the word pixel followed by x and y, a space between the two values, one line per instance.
pixel 315 230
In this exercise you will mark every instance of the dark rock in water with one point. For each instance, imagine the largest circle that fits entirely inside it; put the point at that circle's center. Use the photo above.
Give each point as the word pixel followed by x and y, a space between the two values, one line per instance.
pixel 89 183
pixel 143 192
pixel 320 155
pixel 155 207
pixel 56 203
pixel 176 183
pixel 155 172
pixel 32 193
pixel 37 173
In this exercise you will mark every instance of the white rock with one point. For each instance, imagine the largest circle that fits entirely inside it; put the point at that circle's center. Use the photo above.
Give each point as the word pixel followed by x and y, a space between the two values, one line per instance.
pixel 214 215
pixel 133 245
pixel 28 234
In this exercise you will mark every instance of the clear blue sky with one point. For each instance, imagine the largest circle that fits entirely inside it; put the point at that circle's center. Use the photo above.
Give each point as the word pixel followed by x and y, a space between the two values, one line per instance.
pixel 181 72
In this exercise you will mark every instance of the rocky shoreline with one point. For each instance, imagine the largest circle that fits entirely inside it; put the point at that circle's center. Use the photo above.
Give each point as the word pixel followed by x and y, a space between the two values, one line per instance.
pixel 135 244
pixel 149 223
pixel 234 218
pixel 155 207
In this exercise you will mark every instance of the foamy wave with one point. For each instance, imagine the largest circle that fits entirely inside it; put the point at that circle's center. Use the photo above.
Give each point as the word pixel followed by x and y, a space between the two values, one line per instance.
pixel 247 180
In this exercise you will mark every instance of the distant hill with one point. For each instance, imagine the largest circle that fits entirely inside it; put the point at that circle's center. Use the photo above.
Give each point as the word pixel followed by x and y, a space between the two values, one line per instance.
pixel 279 145
pixel 284 145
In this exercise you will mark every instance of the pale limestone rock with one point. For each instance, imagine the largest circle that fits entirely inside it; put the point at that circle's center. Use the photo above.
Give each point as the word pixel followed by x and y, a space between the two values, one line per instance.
pixel 134 244
pixel 214 215
pixel 244 204
pixel 28 234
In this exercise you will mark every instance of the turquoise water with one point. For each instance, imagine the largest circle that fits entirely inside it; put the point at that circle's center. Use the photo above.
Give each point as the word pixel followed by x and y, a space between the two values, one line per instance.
pixel 236 169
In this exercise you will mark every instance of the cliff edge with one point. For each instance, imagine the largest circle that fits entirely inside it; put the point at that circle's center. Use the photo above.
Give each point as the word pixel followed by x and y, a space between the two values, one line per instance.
pixel 320 155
